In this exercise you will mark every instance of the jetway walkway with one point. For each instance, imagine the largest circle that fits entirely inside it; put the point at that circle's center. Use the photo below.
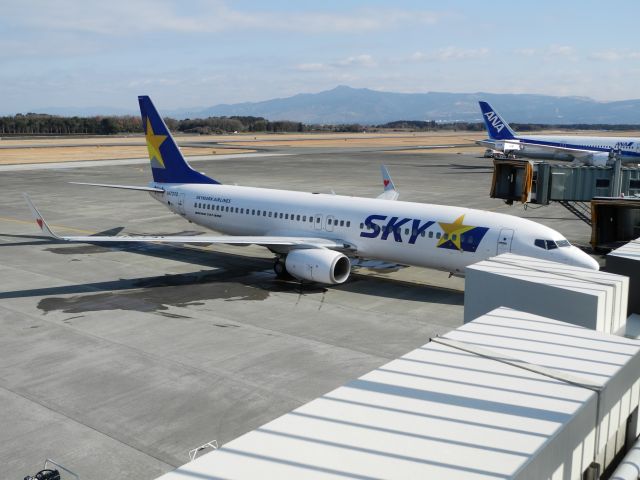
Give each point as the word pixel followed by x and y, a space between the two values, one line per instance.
pixel 605 197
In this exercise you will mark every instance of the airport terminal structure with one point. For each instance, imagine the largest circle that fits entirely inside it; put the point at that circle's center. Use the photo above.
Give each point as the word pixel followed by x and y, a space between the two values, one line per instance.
pixel 196 361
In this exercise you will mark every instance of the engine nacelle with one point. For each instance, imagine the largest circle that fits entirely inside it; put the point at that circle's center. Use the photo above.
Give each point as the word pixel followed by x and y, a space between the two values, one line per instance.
pixel 318 265
pixel 598 159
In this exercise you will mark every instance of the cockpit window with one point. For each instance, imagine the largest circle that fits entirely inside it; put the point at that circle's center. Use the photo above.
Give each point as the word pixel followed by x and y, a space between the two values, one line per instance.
pixel 550 244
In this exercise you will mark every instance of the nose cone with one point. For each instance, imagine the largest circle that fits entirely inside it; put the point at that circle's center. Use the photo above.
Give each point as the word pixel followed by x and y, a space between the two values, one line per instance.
pixel 583 260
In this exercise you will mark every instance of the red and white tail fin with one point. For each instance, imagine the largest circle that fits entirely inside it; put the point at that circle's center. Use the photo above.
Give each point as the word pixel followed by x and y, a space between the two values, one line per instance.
pixel 390 192
pixel 39 220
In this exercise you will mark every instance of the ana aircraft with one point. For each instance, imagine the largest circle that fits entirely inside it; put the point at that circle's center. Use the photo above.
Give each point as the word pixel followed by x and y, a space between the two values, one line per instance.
pixel 316 236
pixel 587 150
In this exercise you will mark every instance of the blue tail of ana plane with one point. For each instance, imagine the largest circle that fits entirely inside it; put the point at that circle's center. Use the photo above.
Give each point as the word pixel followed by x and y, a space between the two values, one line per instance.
pixel 167 163
pixel 497 128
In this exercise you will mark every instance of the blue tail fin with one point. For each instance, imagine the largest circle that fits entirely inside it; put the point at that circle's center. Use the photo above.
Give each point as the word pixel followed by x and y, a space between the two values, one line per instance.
pixel 498 129
pixel 167 163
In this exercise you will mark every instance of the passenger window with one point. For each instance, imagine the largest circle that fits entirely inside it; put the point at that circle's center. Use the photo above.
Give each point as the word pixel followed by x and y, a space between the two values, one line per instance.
pixel 446 236
pixel 286 216
pixel 310 219
pixel 264 213
pixel 258 212
pixel 406 231
pixel 280 214
pixel 253 212
pixel 454 237
pixel 304 218
pixel 298 218
pixel 423 233
pixel 430 234
pixel 242 210
pixel 342 223
pixel 361 226
pixel 348 223
pixel 438 235
pixel 269 214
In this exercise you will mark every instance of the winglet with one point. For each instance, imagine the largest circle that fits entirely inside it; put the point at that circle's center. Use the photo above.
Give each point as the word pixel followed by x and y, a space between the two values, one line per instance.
pixel 39 220
pixel 390 192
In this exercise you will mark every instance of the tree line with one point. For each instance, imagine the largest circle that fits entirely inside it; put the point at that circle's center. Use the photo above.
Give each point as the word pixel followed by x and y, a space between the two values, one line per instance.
pixel 43 124
pixel 427 126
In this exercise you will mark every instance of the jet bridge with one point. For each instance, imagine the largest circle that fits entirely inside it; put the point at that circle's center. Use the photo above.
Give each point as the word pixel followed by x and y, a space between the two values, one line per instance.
pixel 605 197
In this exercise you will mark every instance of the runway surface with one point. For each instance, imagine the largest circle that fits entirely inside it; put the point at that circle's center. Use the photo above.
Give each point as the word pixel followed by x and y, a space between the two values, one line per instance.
pixel 116 363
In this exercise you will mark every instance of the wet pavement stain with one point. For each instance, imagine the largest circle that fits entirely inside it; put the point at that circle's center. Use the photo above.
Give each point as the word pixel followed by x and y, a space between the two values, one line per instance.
pixel 78 249
pixel 158 294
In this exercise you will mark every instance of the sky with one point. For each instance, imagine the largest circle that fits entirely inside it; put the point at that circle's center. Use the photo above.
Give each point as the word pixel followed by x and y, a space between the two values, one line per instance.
pixel 195 54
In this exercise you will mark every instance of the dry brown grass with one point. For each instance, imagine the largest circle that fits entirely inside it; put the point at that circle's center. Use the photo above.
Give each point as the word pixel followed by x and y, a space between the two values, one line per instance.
pixel 103 148
pixel 103 152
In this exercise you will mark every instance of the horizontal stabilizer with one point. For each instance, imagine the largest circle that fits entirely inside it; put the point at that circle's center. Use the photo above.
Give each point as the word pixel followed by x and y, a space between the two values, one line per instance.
pixel 124 187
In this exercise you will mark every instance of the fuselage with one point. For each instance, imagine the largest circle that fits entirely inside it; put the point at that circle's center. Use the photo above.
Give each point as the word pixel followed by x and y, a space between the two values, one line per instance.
pixel 426 235
pixel 628 147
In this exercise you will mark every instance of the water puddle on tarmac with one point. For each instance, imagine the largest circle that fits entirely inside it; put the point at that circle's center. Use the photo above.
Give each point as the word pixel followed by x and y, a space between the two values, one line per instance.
pixel 158 294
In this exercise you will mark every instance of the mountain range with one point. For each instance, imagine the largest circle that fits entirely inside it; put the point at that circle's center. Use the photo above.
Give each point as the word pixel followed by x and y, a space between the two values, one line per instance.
pixel 371 107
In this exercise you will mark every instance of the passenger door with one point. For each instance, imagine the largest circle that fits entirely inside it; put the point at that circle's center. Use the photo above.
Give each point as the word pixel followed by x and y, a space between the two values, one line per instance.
pixel 504 241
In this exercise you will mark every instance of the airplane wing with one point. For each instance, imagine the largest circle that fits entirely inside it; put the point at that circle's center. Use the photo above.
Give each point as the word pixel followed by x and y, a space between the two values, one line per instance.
pixel 485 143
pixel 266 241
pixel 576 152
pixel 390 192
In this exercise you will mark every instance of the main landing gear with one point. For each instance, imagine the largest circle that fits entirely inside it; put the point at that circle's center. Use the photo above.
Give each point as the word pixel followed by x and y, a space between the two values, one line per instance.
pixel 281 270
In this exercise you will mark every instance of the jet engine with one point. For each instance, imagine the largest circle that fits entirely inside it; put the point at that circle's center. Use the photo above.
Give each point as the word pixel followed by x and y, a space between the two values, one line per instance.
pixel 318 265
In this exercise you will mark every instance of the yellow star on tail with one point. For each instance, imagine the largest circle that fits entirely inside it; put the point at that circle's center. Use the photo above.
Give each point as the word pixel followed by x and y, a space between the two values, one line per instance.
pixel 456 228
pixel 153 145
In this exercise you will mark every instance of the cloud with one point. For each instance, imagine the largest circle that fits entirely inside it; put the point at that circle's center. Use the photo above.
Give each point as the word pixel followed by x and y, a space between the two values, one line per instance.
pixel 560 51
pixel 358 61
pixel 312 67
pixel 123 17
pixel 614 55
pixel 526 52
pixel 554 51
pixel 450 53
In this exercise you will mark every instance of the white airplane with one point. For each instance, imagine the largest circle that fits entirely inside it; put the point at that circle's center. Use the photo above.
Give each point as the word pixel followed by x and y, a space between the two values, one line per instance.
pixel 316 236
pixel 588 150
